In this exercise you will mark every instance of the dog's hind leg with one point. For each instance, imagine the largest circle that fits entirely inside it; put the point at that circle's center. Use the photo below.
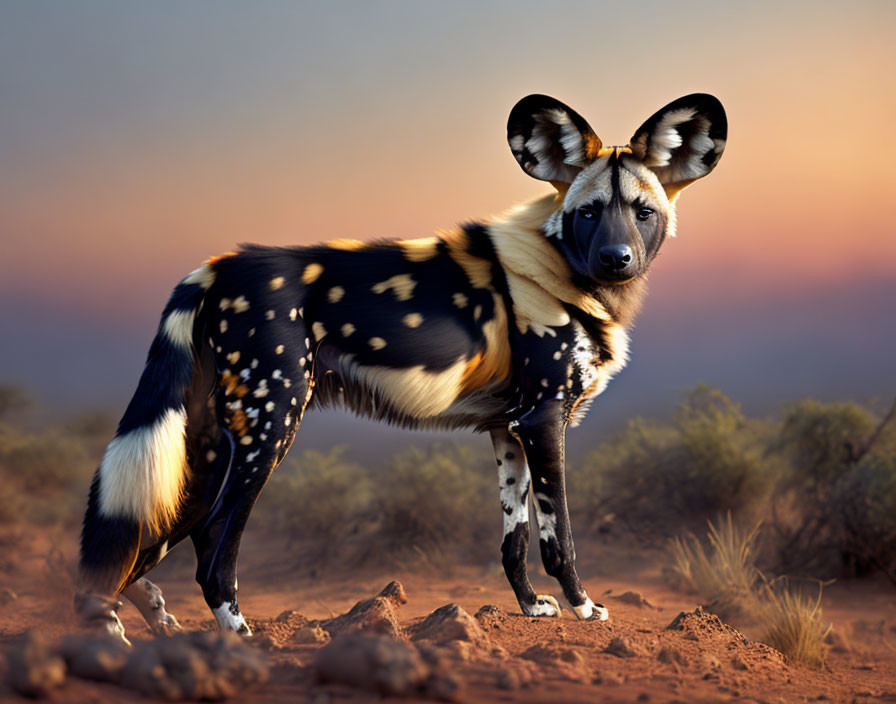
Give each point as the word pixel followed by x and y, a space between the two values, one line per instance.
pixel 147 597
pixel 109 549
pixel 261 430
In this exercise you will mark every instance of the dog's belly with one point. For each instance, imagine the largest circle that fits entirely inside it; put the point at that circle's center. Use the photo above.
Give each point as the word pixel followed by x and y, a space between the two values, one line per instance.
pixel 417 396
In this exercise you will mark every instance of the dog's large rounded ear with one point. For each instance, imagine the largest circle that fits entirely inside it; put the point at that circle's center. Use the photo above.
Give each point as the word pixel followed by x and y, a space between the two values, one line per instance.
pixel 551 141
pixel 683 141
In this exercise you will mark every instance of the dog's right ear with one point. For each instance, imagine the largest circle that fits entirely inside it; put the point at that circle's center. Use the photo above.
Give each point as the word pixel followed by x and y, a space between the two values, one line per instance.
pixel 551 141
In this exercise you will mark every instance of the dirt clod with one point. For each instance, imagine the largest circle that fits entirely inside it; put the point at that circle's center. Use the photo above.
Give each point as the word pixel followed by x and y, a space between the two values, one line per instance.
pixel 310 635
pixel 376 615
pixel 373 663
pixel 291 617
pixel 100 658
pixel 700 624
pixel 444 686
pixel 34 668
pixel 635 599
pixel 450 623
pixel 623 647
pixel 568 662
pixel 490 616
pixel 200 665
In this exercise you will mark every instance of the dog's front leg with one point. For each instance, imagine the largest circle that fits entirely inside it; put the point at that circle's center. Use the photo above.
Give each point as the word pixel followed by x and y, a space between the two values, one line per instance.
pixel 542 432
pixel 513 485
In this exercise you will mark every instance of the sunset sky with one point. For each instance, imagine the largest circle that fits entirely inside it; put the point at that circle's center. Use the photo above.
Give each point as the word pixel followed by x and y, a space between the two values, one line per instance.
pixel 137 139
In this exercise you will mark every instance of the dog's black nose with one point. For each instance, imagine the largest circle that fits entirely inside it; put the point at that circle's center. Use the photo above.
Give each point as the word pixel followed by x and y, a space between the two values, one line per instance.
pixel 615 257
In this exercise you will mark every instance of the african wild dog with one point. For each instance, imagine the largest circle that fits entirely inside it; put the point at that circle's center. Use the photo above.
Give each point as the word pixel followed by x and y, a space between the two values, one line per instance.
pixel 509 326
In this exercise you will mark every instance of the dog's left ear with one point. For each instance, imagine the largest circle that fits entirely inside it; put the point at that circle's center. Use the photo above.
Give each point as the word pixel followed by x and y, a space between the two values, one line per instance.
pixel 550 140
pixel 682 142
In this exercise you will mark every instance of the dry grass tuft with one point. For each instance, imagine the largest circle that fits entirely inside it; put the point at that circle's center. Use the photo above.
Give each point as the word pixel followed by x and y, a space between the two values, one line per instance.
pixel 725 573
pixel 794 624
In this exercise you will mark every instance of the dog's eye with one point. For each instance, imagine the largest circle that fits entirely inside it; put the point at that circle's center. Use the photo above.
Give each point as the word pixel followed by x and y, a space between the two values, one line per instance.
pixel 643 213
pixel 587 214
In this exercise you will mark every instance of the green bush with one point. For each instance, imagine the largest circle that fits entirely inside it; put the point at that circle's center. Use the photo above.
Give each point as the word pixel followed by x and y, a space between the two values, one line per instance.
pixel 442 499
pixel 47 472
pixel 822 479
pixel 656 478
pixel 834 505
pixel 317 499
pixel 865 500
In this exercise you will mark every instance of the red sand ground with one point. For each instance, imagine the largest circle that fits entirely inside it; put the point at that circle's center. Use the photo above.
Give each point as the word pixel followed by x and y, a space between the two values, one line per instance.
pixel 633 657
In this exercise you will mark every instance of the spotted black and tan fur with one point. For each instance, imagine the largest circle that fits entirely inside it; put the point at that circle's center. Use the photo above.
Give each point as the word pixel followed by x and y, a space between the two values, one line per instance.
pixel 510 326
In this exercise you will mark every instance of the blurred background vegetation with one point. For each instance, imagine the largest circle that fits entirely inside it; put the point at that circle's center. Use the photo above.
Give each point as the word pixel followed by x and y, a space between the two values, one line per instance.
pixel 820 480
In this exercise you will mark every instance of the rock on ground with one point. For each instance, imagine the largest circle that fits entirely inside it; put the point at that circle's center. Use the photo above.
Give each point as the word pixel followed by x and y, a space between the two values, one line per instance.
pixel 567 662
pixel 377 615
pixel 33 667
pixel 374 663
pixel 449 623
pixel 635 599
pixel 623 647
pixel 94 657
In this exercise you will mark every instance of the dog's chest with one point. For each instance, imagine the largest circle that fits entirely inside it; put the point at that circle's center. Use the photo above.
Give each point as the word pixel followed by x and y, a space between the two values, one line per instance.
pixel 571 365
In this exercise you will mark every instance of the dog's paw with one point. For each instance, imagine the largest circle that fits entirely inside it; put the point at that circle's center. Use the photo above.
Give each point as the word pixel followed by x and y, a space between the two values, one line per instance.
pixel 100 614
pixel 167 625
pixel 589 611
pixel 545 606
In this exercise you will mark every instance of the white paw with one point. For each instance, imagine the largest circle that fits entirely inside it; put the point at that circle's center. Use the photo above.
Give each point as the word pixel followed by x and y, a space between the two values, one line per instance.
pixel 545 605
pixel 229 618
pixel 589 611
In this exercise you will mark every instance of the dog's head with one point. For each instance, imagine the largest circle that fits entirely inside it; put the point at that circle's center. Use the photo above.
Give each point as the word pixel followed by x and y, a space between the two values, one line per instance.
pixel 618 202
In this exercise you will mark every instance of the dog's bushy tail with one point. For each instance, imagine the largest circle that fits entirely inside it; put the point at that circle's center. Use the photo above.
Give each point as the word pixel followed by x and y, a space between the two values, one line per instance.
pixel 138 485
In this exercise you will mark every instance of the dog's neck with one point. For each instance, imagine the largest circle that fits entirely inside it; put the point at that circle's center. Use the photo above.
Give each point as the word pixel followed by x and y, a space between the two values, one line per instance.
pixel 521 245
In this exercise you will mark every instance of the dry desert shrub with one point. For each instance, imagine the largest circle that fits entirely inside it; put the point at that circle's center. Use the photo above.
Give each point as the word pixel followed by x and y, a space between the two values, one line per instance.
pixel 441 500
pixel 422 503
pixel 317 503
pixel 834 505
pixel 659 477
